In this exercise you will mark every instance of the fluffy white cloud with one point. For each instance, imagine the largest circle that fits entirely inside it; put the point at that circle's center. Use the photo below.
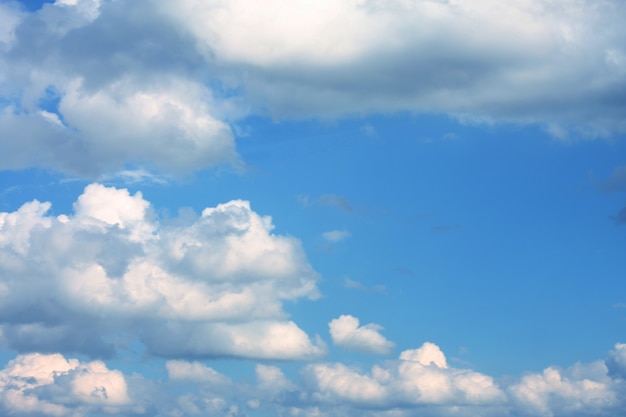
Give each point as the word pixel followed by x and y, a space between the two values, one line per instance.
pixel 195 372
pixel 520 60
pixel 213 287
pixel 582 389
pixel 37 384
pixel 418 378
pixel 96 85
pixel 346 332
pixel 421 383
pixel 418 383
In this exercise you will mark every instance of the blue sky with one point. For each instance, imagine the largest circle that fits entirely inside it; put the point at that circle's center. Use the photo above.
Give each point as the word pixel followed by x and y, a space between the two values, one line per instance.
pixel 352 208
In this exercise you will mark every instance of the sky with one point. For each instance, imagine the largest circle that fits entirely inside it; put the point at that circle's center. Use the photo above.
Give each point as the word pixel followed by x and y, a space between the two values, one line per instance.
pixel 347 208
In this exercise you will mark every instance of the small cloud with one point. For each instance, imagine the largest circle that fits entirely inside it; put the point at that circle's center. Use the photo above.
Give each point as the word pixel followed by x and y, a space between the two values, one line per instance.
pixel 328 200
pixel 356 285
pixel 304 200
pixel 336 235
pixel 368 129
pixel 443 228
pixel 346 332
pixel 334 200
pixel 51 117
pixel 450 136
pixel 619 305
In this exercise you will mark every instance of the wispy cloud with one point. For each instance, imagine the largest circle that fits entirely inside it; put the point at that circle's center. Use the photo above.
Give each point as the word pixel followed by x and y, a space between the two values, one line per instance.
pixel 352 284
pixel 328 200
pixel 335 236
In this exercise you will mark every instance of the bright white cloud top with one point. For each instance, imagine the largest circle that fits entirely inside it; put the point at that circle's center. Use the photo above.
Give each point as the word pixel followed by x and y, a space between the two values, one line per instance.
pixel 214 287
pixel 346 332
pixel 94 84
pixel 335 164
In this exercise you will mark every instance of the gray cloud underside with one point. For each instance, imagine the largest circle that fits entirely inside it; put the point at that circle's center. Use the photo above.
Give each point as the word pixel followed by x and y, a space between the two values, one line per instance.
pixel 92 86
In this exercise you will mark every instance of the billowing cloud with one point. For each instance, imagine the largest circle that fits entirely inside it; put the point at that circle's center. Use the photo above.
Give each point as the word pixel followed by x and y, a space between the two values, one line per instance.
pixel 96 85
pixel 346 332
pixel 522 61
pixel 91 99
pixel 420 377
pixel 583 389
pixel 213 287
pixel 52 385
pixel 419 382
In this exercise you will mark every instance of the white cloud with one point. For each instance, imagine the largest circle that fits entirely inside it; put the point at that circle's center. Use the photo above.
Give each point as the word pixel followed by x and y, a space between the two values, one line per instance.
pixel 428 354
pixel 346 332
pixel 336 235
pixel 452 57
pixel 214 287
pixel 53 385
pixel 419 382
pixel 414 380
pixel 195 372
pixel 580 389
pixel 163 87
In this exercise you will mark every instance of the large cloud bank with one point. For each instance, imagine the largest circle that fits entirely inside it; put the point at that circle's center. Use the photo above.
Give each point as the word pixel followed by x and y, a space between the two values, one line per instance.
pixel 213 287
pixel 418 383
pixel 94 84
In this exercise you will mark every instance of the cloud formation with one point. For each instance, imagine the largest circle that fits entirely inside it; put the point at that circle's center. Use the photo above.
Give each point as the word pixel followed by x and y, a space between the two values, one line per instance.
pixel 346 332
pixel 419 382
pixel 213 287
pixel 95 85
pixel 51 385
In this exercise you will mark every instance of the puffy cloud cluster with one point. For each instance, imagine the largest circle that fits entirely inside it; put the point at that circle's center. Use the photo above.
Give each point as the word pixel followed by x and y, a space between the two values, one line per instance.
pixel 213 287
pixel 95 84
pixel 52 385
pixel 419 382
pixel 579 390
pixel 346 332
pixel 419 377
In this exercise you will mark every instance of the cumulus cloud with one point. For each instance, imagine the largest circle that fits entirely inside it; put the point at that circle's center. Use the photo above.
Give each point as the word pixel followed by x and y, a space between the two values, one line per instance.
pixel 354 57
pixel 211 288
pixel 91 100
pixel 346 332
pixel 37 384
pixel 418 378
pixel 419 382
pixel 582 389
pixel 97 85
